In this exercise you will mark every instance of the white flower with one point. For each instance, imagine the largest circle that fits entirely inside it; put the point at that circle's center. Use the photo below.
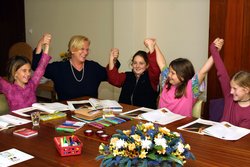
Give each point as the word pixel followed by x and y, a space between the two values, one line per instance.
pixel 176 134
pixel 161 142
pixel 180 147
pixel 146 144
pixel 119 143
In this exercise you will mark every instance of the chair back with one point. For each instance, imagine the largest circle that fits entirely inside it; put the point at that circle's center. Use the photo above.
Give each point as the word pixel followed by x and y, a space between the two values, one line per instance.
pixel 198 109
pixel 4 107
pixel 216 108
pixel 22 49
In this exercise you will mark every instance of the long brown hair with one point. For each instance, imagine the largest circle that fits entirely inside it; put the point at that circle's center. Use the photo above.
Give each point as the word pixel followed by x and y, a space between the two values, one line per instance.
pixel 14 64
pixel 185 71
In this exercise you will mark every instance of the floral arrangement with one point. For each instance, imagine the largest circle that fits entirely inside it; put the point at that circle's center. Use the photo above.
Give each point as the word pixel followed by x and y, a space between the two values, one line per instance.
pixel 145 145
pixel 64 56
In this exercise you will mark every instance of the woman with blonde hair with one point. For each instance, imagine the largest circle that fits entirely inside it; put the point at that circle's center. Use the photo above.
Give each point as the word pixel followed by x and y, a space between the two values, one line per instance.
pixel 77 76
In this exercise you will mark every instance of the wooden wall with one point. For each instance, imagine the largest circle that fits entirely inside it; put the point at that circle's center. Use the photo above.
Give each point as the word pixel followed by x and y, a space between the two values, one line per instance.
pixel 229 19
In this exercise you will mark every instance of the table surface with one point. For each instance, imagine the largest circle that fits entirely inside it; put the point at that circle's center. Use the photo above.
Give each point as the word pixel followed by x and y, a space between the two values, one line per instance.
pixel 208 151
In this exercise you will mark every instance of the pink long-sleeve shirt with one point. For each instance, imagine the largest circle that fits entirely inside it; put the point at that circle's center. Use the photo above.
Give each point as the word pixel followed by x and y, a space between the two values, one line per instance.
pixel 233 112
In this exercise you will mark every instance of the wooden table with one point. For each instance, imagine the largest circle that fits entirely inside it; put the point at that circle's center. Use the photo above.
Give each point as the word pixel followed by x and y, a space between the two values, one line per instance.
pixel 208 151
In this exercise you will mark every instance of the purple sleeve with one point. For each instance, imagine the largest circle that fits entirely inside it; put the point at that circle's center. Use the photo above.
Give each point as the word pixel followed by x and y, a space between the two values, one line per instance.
pixel 221 70
pixel 38 74
pixel 4 85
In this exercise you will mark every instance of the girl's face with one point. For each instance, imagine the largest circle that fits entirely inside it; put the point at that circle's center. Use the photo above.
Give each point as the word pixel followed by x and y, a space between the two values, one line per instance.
pixel 172 77
pixel 81 54
pixel 139 65
pixel 239 93
pixel 23 74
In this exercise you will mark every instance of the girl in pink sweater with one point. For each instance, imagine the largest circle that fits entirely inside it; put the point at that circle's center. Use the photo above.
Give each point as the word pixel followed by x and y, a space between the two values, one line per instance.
pixel 236 92
pixel 20 91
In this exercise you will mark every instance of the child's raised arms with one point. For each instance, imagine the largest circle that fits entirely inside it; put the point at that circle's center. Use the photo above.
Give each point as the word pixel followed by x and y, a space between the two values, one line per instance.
pixel 209 63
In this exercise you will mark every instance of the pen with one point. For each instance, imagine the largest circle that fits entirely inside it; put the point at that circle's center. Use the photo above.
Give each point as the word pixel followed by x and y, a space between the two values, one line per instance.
pixel 65 129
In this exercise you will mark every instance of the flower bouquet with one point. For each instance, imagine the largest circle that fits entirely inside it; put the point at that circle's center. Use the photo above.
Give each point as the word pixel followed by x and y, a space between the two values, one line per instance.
pixel 64 56
pixel 145 145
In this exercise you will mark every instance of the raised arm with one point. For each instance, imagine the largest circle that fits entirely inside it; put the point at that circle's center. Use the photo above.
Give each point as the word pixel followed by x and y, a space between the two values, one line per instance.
pixel 114 54
pixel 43 62
pixel 161 61
pixel 209 63
pixel 152 46
pixel 44 40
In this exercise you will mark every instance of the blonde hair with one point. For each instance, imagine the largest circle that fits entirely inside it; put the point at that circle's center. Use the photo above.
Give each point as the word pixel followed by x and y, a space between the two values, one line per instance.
pixel 75 43
pixel 242 78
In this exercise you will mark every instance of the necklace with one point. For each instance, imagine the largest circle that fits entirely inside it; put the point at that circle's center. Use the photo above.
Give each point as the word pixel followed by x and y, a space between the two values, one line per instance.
pixel 244 100
pixel 78 80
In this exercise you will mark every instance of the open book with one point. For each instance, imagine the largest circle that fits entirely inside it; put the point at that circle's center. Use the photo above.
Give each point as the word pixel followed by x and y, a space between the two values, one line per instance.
pixel 136 113
pixel 161 116
pixel 44 107
pixel 106 105
pixel 7 121
pixel 81 104
pixel 221 130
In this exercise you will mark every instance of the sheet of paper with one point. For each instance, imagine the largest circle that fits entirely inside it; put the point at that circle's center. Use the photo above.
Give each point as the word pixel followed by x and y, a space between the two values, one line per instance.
pixel 12 157
pixel 161 116
pixel 10 121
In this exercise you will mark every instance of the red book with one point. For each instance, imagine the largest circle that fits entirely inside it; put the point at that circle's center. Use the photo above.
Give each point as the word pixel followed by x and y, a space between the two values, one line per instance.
pixel 25 132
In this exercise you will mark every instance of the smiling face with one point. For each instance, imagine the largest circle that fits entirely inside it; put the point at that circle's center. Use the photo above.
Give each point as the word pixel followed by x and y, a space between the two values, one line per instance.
pixel 80 55
pixel 22 75
pixel 173 77
pixel 239 93
pixel 139 65
pixel 79 48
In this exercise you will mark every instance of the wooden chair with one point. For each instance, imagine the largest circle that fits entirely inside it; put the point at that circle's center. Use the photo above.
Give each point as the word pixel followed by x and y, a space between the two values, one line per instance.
pixel 24 49
pixel 198 108
pixel 4 107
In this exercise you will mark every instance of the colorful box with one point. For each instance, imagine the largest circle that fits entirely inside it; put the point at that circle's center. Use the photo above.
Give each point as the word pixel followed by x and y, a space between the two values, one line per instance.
pixel 68 145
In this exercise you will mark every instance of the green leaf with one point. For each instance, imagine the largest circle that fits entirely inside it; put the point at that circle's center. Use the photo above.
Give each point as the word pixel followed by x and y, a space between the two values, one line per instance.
pixel 152 156
pixel 100 157
pixel 175 159
pixel 129 163
pixel 106 161
pixel 158 147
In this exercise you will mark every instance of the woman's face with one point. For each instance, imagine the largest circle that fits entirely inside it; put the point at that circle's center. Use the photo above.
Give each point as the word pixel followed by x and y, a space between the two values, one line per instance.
pixel 239 93
pixel 23 74
pixel 81 54
pixel 139 65
pixel 172 77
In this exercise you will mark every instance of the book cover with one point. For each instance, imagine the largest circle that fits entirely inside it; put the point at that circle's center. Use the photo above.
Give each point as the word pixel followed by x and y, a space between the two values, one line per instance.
pixel 136 113
pixel 25 132
pixel 78 105
pixel 106 105
pixel 197 126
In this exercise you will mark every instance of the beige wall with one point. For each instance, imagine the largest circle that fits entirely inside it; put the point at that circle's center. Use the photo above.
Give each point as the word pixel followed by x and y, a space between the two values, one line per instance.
pixel 180 26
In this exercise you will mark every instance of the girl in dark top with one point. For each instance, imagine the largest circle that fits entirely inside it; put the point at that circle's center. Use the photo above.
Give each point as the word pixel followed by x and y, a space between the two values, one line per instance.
pixel 139 86
pixel 77 76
